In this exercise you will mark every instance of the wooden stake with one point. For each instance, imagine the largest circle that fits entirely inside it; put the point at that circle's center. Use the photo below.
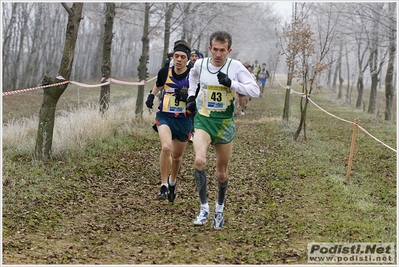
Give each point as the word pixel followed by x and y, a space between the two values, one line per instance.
pixel 348 173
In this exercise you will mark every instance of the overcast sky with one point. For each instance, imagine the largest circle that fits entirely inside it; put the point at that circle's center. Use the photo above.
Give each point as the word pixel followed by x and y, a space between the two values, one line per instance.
pixel 284 7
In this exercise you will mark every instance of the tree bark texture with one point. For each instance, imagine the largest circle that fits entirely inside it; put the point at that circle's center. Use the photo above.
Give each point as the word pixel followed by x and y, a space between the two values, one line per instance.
pixel 335 77
pixel 360 90
pixel 373 93
pixel 362 68
pixel 373 66
pixel 286 110
pixel 389 78
pixel 339 71
pixel 51 95
pixel 168 17
pixel 106 63
pixel 144 58
pixel 302 122
pixel 348 77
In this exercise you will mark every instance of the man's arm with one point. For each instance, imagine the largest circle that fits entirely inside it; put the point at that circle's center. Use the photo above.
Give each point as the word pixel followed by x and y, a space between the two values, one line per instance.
pixel 155 90
pixel 193 79
pixel 245 83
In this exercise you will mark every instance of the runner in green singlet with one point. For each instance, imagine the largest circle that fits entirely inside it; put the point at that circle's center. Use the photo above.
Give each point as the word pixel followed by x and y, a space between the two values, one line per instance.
pixel 220 78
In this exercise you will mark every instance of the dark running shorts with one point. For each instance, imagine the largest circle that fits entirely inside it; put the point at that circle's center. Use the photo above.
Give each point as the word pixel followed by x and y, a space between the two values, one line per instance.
pixel 180 128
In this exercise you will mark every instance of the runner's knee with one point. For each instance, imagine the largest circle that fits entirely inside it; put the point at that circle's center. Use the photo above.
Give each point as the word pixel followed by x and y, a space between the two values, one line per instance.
pixel 222 176
pixel 166 149
pixel 200 162
pixel 177 158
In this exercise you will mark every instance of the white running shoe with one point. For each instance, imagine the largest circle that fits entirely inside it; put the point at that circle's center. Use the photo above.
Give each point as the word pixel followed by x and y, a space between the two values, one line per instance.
pixel 218 220
pixel 201 217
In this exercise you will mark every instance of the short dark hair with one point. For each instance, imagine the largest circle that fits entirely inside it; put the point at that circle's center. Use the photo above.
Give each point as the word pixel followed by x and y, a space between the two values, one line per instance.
pixel 178 41
pixel 182 45
pixel 181 42
pixel 221 36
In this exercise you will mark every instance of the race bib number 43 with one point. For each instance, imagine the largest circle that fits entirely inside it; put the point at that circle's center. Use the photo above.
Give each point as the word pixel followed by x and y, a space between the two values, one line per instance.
pixel 215 97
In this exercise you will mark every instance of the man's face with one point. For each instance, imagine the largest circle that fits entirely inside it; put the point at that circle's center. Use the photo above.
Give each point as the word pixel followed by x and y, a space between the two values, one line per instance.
pixel 180 59
pixel 193 57
pixel 219 52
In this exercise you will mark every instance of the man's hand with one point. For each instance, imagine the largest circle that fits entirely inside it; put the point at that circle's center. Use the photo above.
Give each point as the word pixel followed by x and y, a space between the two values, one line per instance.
pixel 181 96
pixel 191 105
pixel 150 101
pixel 224 79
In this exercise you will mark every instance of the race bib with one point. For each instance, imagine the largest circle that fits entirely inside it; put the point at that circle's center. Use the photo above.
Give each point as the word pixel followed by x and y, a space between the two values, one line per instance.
pixel 171 104
pixel 215 97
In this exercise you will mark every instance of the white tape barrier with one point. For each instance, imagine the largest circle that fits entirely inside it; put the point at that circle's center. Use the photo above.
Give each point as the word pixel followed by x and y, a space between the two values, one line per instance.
pixel 64 81
pixel 33 88
pixel 332 115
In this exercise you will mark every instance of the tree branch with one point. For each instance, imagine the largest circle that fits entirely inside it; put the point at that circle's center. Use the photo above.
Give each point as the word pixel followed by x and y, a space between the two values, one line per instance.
pixel 68 9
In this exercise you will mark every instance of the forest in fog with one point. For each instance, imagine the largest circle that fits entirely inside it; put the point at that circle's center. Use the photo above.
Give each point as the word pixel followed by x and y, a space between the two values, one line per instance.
pixel 357 40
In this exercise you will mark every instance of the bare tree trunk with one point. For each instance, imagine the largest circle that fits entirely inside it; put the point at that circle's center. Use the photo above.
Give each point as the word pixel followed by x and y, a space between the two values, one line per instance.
pixel 302 122
pixel 168 17
pixel 389 84
pixel 335 77
pixel 51 95
pixel 360 83
pixel 373 62
pixel 291 68
pixel 339 69
pixel 341 81
pixel 106 64
pixel 329 73
pixel 360 90
pixel 142 69
pixel 348 75
pixel 374 79
pixel 186 13
pixel 286 110
pixel 95 61
pixel 373 93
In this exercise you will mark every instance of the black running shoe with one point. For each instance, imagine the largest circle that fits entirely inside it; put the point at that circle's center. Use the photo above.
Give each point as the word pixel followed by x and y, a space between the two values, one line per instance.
pixel 162 194
pixel 155 127
pixel 171 194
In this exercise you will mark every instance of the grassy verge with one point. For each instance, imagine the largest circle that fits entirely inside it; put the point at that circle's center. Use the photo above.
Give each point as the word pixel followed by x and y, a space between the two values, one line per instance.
pixel 96 204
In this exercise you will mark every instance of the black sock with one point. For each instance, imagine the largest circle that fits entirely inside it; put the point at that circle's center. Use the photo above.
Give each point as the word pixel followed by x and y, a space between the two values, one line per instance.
pixel 200 180
pixel 222 188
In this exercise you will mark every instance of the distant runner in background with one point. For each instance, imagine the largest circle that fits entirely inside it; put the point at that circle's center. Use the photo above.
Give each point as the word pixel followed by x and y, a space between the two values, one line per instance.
pixel 256 69
pixel 262 77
